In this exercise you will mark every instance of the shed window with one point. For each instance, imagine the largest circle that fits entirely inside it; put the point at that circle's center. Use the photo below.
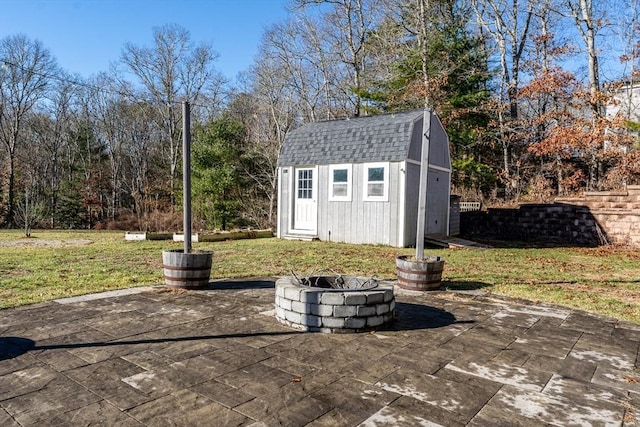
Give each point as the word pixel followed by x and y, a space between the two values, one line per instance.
pixel 340 188
pixel 305 184
pixel 376 177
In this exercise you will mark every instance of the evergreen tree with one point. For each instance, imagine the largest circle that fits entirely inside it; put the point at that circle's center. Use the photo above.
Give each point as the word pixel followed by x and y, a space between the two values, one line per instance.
pixel 216 154
pixel 458 77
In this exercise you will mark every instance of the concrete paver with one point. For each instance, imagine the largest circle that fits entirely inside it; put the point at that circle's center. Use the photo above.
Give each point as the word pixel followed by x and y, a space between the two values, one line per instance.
pixel 218 357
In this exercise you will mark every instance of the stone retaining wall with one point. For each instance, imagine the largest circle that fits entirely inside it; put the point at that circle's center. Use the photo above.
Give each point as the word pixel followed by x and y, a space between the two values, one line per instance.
pixel 593 219
pixel 332 310
pixel 556 223
pixel 617 213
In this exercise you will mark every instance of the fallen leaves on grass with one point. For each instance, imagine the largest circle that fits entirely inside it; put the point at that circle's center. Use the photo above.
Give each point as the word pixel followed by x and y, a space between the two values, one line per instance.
pixel 609 250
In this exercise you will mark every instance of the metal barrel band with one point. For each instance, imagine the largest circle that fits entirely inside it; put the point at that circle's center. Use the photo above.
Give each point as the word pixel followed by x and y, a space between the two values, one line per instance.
pixel 418 271
pixel 185 279
pixel 170 267
pixel 420 281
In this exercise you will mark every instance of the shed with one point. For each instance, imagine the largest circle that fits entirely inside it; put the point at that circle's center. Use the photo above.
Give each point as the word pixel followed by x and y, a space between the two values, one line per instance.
pixel 357 180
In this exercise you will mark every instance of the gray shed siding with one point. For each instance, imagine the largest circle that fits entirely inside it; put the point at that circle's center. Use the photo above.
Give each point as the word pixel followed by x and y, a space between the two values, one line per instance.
pixel 438 183
pixel 412 175
pixel 438 152
pixel 284 201
pixel 437 203
pixel 359 221
pixel 437 221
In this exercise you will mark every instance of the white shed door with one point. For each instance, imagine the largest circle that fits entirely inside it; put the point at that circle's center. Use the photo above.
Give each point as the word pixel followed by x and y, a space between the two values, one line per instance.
pixel 305 215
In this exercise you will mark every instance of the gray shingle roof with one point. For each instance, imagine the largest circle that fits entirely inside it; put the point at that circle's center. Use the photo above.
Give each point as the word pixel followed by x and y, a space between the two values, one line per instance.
pixel 385 137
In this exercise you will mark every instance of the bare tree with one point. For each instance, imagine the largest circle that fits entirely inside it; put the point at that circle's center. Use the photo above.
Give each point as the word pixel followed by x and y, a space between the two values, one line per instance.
pixel 25 71
pixel 29 211
pixel 51 133
pixel 109 124
pixel 416 18
pixel 301 68
pixel 142 152
pixel 588 25
pixel 508 23
pixel 423 35
pixel 629 34
pixel 269 110
pixel 172 70
pixel 346 25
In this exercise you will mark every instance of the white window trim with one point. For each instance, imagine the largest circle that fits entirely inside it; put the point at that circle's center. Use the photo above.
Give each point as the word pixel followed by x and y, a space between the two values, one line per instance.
pixel 346 198
pixel 385 182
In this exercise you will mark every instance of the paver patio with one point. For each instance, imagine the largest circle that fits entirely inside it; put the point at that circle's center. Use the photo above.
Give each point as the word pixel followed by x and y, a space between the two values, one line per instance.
pixel 218 357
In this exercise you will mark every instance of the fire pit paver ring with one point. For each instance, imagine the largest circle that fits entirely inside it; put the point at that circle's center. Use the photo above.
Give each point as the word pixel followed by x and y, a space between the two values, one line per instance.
pixel 317 309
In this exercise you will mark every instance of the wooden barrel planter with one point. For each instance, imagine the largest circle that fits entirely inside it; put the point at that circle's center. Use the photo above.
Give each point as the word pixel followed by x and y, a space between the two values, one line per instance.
pixel 186 270
pixel 419 275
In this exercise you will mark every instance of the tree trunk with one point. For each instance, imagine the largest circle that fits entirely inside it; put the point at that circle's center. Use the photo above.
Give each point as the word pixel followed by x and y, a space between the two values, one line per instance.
pixel 582 11
pixel 560 176
pixel 11 190
pixel 424 50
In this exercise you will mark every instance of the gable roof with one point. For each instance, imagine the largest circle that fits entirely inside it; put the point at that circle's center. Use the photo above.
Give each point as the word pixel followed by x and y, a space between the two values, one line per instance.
pixel 380 138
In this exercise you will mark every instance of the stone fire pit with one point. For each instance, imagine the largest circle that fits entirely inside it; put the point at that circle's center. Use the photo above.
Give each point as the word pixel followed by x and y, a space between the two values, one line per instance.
pixel 333 304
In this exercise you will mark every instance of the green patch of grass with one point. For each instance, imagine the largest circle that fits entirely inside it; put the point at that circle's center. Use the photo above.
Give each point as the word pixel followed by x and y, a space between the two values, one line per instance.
pixel 56 264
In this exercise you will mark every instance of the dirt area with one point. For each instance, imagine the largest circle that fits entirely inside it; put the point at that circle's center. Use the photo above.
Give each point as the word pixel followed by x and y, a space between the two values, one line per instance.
pixel 45 243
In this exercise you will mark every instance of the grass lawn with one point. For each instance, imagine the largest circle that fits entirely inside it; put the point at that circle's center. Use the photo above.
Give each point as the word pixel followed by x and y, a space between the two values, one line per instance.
pixel 55 264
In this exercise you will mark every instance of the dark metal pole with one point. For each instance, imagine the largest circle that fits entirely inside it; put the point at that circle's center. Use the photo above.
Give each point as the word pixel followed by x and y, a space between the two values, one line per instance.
pixel 186 174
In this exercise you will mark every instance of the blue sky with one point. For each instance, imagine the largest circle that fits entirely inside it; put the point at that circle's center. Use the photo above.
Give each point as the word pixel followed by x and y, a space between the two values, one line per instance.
pixel 85 36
